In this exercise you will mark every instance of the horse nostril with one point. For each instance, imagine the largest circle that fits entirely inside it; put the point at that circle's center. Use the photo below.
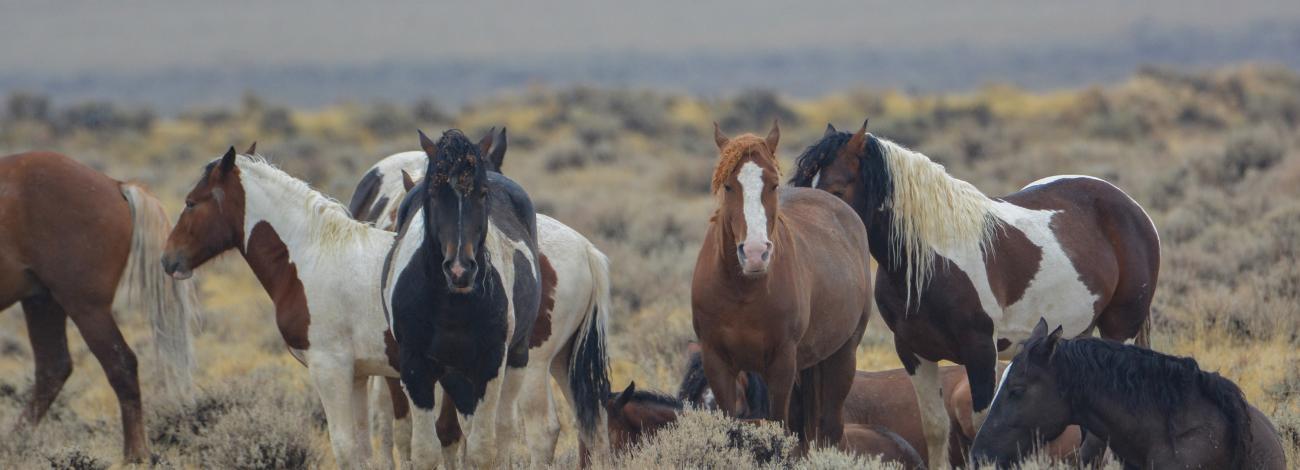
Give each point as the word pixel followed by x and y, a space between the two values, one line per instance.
pixel 470 265
pixel 740 250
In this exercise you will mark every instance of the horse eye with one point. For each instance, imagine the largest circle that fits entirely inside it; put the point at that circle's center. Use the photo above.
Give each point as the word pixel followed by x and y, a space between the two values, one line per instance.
pixel 189 204
pixel 727 187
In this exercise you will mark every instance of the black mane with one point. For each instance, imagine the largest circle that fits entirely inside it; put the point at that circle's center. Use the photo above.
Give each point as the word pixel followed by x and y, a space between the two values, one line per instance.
pixel 652 397
pixel 1140 378
pixel 875 175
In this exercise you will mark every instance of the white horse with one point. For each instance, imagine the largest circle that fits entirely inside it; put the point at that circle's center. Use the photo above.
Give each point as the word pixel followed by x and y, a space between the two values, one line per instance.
pixel 574 353
pixel 321 269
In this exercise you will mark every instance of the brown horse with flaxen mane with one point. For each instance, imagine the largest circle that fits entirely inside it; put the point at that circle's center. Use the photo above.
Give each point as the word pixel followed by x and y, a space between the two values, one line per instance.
pixel 781 288
pixel 71 242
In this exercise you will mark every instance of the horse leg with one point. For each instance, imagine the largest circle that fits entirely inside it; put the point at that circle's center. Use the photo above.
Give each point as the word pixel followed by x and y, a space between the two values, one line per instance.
pixel 779 375
pixel 480 445
pixel 401 428
pixel 1121 320
pixel 721 375
pixel 449 432
pixel 934 415
pixel 836 373
pixel 360 417
pixel 333 379
pixel 48 333
pixel 423 435
pixel 538 410
pixel 105 340
pixel 506 418
pixel 381 418
pixel 980 356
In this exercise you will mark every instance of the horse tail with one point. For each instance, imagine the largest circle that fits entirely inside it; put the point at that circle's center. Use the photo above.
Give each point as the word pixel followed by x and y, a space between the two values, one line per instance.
pixel 589 361
pixel 1143 338
pixel 172 305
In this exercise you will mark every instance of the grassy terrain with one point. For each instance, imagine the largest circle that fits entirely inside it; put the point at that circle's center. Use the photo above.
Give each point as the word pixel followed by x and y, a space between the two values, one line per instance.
pixel 1214 157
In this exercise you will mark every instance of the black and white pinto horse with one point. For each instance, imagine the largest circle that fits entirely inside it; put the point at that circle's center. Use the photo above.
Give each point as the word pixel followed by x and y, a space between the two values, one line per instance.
pixel 965 277
pixel 464 285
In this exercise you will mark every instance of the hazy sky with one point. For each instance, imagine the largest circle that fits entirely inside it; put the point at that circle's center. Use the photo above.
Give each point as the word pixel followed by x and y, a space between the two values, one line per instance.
pixel 45 37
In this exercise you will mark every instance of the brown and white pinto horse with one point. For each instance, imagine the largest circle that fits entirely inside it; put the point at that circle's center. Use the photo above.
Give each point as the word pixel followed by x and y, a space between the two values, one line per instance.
pixel 321 270
pixel 965 277
pixel 781 288
pixel 71 242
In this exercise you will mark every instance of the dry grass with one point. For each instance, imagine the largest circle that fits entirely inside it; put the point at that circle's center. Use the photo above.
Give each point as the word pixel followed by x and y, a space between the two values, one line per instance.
pixel 1214 157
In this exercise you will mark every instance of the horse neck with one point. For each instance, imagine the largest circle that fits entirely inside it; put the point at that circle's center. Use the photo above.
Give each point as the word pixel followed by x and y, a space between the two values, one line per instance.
pixel 1108 419
pixel 880 242
pixel 296 224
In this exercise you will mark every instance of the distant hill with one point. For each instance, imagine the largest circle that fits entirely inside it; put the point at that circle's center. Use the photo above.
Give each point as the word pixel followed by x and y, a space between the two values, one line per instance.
pixel 806 71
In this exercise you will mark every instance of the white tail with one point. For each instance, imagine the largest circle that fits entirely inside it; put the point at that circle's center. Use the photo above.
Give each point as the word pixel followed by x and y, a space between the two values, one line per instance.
pixel 172 305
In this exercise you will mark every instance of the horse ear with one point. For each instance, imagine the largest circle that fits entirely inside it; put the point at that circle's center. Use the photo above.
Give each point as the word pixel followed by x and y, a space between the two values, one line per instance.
pixel 1040 330
pixel 228 160
pixel 773 137
pixel 485 144
pixel 498 155
pixel 718 137
pixel 830 130
pixel 859 137
pixel 407 181
pixel 624 398
pixel 429 147
pixel 252 149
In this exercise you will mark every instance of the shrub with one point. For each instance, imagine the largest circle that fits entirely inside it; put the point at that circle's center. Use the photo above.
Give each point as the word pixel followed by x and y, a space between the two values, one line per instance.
pixel 707 439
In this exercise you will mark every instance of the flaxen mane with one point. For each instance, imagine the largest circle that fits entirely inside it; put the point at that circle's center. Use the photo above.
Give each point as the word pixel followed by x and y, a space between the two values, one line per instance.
pixel 930 210
pixel 1140 378
pixel 740 147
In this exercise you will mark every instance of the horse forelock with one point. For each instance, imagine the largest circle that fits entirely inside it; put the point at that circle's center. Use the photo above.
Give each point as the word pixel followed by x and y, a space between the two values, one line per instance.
pixel 457 162
pixel 816 157
pixel 1138 377
pixel 745 145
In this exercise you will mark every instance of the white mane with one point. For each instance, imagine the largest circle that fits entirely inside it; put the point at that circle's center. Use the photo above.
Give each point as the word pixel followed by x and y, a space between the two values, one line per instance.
pixel 328 221
pixel 932 212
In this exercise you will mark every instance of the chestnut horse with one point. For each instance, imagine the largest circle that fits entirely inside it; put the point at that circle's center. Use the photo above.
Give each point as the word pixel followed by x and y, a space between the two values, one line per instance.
pixel 71 242
pixel 1154 410
pixel 635 415
pixel 882 398
pixel 781 288
pixel 321 270
pixel 964 277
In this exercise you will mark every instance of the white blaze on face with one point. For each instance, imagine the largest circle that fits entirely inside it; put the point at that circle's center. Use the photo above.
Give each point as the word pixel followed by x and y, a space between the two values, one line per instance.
pixel 998 391
pixel 751 185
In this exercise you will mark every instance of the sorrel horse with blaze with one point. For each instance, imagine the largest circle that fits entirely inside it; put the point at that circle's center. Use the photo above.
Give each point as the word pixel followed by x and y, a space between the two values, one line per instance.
pixel 321 270
pixel 781 288
pixel 71 242
pixel 964 277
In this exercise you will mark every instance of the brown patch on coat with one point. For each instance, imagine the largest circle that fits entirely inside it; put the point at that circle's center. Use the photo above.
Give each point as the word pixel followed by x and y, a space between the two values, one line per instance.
pixel 448 425
pixel 400 407
pixel 542 326
pixel 1014 263
pixel 268 256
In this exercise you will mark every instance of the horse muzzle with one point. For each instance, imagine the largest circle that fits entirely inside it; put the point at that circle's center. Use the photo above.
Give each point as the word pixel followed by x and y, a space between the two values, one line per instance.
pixel 755 256
pixel 176 267
pixel 460 275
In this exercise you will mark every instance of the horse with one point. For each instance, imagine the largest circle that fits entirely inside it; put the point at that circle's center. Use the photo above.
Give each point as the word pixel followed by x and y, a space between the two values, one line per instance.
pixel 575 353
pixel 963 277
pixel 1153 409
pixel 72 241
pixel 321 270
pixel 781 288
pixel 462 286
pixel 881 399
pixel 635 415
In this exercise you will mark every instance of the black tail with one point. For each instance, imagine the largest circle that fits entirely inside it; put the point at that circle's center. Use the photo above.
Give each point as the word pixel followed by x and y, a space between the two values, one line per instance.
pixel 589 373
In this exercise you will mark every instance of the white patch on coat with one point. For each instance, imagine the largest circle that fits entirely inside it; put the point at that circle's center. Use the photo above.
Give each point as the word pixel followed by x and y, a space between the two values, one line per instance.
pixel 1053 179
pixel 751 185
pixel 1055 292
pixel 403 253
pixel 817 177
